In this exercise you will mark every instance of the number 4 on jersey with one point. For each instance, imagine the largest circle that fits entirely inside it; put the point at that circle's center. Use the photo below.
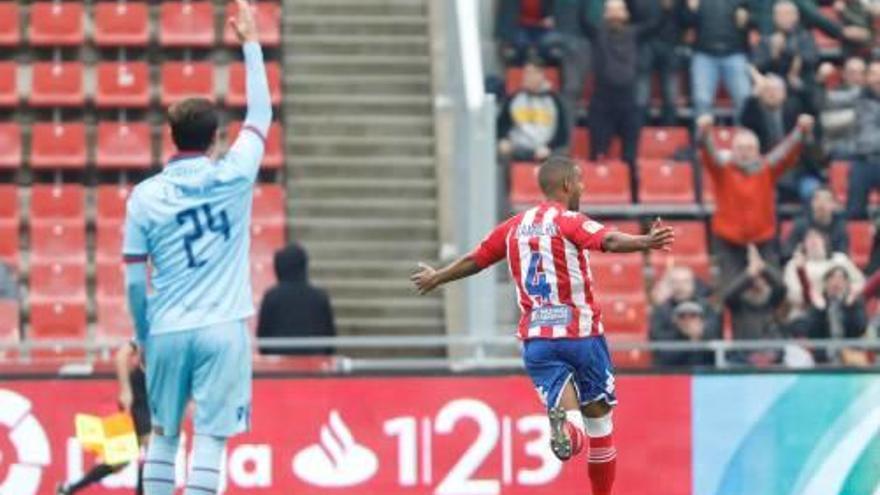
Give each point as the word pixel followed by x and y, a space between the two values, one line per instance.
pixel 536 280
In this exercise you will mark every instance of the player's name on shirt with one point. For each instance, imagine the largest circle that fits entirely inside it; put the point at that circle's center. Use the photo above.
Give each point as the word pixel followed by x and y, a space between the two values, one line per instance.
pixel 537 230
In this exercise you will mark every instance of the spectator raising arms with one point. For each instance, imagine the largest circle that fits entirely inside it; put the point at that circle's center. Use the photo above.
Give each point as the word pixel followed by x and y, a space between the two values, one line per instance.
pixel 823 217
pixel 745 191
pixel 753 297
pixel 790 50
pixel 864 172
pixel 531 124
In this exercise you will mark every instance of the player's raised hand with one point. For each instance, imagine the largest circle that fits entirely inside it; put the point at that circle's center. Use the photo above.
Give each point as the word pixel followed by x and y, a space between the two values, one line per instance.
pixel 424 279
pixel 660 237
pixel 244 22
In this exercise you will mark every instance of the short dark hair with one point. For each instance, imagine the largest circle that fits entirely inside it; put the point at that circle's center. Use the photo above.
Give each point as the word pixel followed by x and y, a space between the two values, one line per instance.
pixel 553 172
pixel 193 123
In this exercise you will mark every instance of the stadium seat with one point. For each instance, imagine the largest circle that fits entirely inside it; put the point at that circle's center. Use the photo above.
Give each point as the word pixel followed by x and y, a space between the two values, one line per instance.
pixel 690 238
pixel 266 239
pixel 57 320
pixel 58 145
pixel 108 242
pixel 513 79
pixel 57 203
pixel 8 203
pixel 56 242
pixel 10 34
pixel 524 187
pixel 123 85
pixel 626 226
pixel 9 243
pixel 184 79
pixel 186 24
pixel 861 238
pixel 236 95
pixel 56 24
pixel 723 136
pixel 580 145
pixel 662 142
pixel 666 182
pixel 838 179
pixel 109 280
pixel 8 84
pixel 262 277
pixel 268 204
pixel 10 325
pixel 274 154
pixel 113 321
pixel 58 282
pixel 121 23
pixel 111 202
pixel 124 145
pixel 617 275
pixel 57 84
pixel 606 183
pixel 10 145
pixel 268 18
pixel 624 314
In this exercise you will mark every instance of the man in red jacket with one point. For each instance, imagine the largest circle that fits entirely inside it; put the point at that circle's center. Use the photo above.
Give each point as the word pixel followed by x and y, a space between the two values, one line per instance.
pixel 745 190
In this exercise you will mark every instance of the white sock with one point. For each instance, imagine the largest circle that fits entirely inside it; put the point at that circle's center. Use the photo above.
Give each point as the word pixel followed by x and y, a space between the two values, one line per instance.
pixel 207 458
pixel 159 465
pixel 575 417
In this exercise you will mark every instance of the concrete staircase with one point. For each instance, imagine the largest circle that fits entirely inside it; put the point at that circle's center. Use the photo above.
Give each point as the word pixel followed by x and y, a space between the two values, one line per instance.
pixel 360 144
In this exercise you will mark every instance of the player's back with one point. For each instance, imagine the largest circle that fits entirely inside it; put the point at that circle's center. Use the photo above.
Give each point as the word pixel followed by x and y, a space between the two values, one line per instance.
pixel 195 218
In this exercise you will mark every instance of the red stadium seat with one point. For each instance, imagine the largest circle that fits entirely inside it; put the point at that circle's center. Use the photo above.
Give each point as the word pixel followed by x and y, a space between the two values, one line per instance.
pixel 262 278
pixel 274 154
pixel 580 145
pixel 266 239
pixel 10 145
pixel 186 24
pixel 606 183
pixel 50 203
pixel 268 18
pixel 8 84
pixel 56 24
pixel 8 203
pixel 121 23
pixel 236 95
pixel 64 282
pixel 184 79
pixel 662 142
pixel 57 84
pixel 624 314
pixel 9 243
pixel 617 275
pixel 124 84
pixel 10 34
pixel 723 136
pixel 514 75
pixel 690 238
pixel 110 280
pixel 124 145
pixel 111 202
pixel 268 204
pixel 861 238
pixel 10 325
pixel 58 145
pixel 108 242
pixel 838 178
pixel 56 242
pixel 668 182
pixel 57 320
pixel 524 183
pixel 114 321
pixel 626 226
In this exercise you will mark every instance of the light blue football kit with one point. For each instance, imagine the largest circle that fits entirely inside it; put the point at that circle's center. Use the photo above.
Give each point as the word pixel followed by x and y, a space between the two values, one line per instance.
pixel 192 223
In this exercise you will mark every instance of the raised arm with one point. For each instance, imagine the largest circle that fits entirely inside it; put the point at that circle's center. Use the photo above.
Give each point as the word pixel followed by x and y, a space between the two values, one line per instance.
pixel 786 154
pixel 659 238
pixel 707 153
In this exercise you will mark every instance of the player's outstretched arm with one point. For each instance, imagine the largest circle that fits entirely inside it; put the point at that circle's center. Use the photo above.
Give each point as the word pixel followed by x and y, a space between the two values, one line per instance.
pixel 659 238
pixel 428 278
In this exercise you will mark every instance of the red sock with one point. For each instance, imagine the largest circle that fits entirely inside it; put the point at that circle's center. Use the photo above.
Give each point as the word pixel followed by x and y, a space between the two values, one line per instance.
pixel 602 463
pixel 577 436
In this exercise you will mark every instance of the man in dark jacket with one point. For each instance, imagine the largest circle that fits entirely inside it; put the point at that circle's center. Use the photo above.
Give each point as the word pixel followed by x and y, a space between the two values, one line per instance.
pixel 790 50
pixel 822 217
pixel 523 28
pixel 720 51
pixel 295 308
pixel 658 55
pixel 753 297
pixel 864 172
pixel 837 106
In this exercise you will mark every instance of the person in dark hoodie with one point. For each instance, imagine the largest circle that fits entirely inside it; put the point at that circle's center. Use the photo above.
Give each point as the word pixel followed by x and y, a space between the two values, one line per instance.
pixel 823 217
pixel 294 307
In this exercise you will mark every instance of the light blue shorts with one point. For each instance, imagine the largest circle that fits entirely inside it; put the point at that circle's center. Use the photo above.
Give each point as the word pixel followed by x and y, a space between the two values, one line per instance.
pixel 211 366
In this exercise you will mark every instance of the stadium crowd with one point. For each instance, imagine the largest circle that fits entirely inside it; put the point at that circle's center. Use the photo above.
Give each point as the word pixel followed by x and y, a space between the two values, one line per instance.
pixel 801 86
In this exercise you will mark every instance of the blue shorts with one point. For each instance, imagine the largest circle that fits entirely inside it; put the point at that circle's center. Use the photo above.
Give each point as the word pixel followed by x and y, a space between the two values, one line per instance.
pixel 211 366
pixel 585 362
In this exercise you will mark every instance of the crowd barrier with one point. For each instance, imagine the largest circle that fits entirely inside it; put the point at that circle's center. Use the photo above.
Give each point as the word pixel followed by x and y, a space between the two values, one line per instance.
pixel 709 434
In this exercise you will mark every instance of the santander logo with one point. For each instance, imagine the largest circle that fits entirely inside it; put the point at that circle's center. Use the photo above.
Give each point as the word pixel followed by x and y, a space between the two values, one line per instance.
pixel 337 461
pixel 21 470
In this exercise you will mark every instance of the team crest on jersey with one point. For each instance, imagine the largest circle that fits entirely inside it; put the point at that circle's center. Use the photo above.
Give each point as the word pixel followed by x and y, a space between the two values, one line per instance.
pixel 551 316
pixel 537 230
pixel 592 226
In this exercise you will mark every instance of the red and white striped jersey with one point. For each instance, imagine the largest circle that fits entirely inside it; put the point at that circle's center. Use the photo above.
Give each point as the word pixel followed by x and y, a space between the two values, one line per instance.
pixel 547 248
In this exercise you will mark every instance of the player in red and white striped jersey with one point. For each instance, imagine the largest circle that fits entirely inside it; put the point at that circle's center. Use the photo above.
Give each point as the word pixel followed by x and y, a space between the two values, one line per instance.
pixel 548 251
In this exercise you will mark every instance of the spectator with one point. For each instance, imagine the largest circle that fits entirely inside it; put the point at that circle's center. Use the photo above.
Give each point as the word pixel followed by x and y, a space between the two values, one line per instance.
pixel 753 297
pixel 720 51
pixel 815 260
pixel 574 51
pixel 874 260
pixel 658 55
pixel 772 114
pixel 790 50
pixel 613 109
pixel 823 217
pixel 837 106
pixel 840 313
pixel 295 308
pixel 531 124
pixel 857 14
pixel 687 324
pixel 523 29
pixel 811 15
pixel 745 191
pixel 864 172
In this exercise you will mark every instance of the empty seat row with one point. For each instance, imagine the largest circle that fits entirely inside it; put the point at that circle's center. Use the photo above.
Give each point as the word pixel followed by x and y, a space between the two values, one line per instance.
pixel 127 24
pixel 654 142
pixel 127 84
pixel 118 145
